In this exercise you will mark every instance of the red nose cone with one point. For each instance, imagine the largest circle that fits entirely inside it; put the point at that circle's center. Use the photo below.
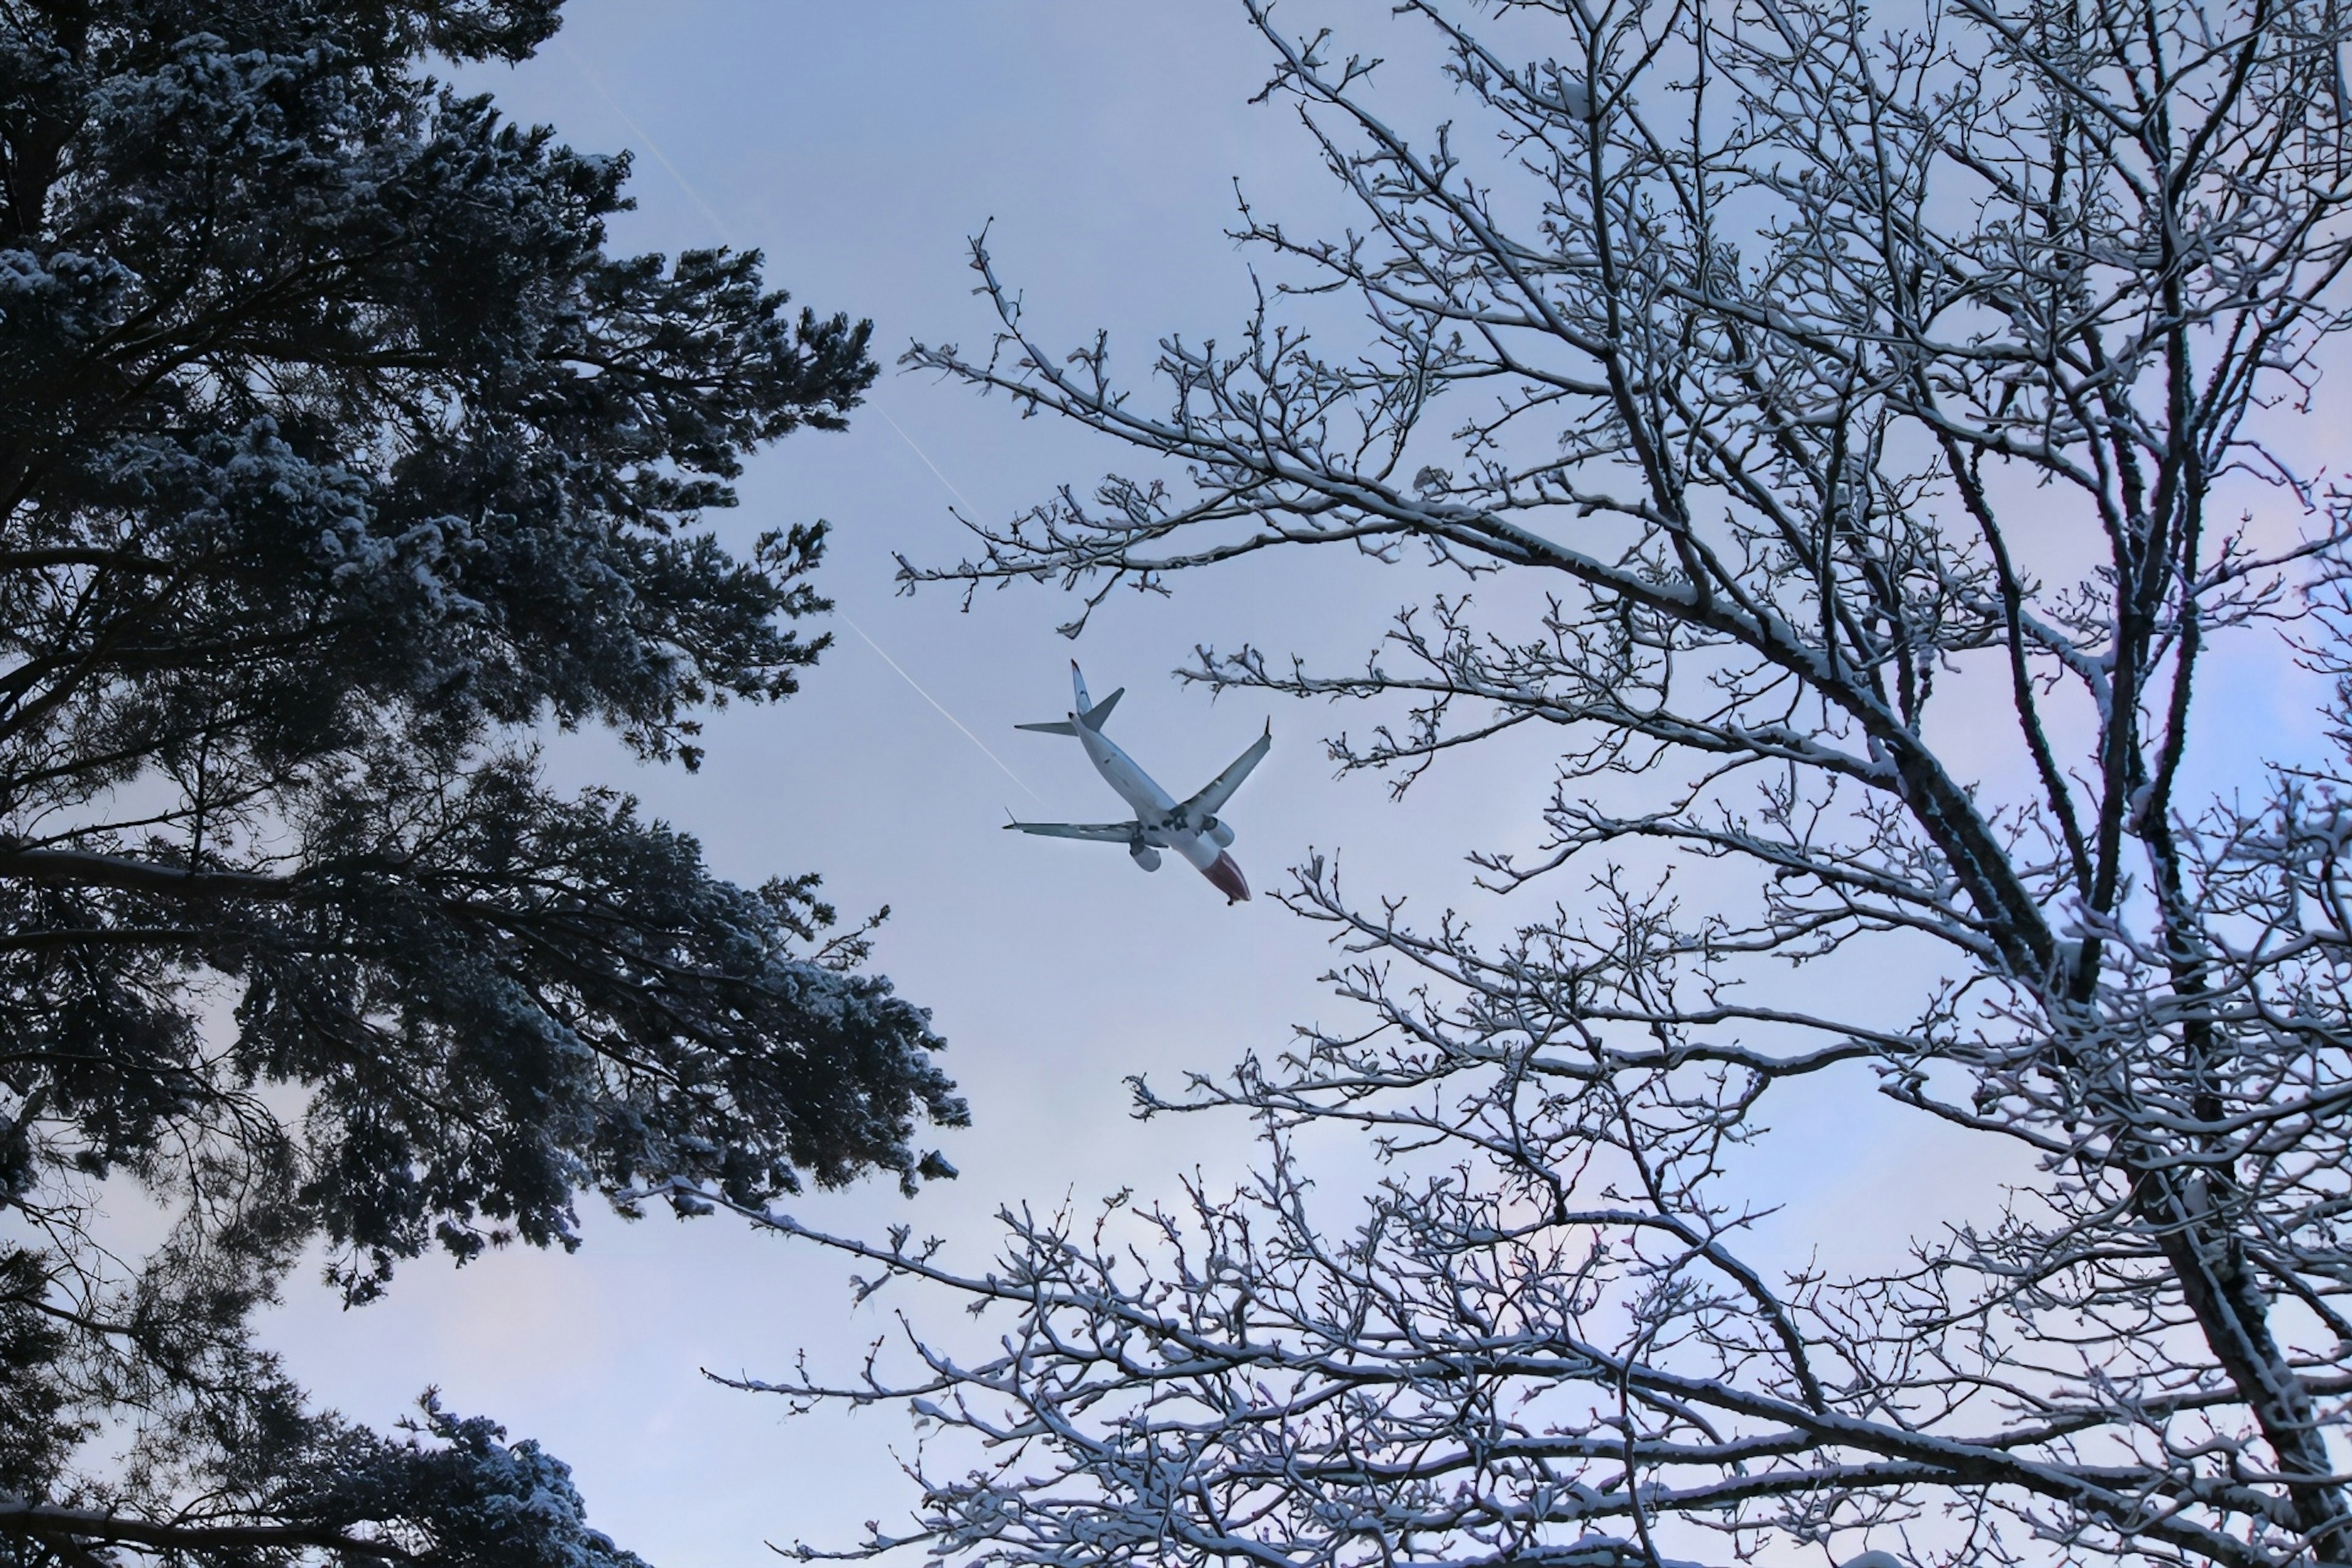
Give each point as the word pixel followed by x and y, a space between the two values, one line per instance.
pixel 1227 879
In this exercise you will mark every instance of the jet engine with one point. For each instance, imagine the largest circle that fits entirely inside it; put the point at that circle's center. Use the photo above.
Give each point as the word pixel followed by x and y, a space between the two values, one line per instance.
pixel 1219 834
pixel 1144 855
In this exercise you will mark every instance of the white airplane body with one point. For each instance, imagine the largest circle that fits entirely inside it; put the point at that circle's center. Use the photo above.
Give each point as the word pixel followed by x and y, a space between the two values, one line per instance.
pixel 1190 827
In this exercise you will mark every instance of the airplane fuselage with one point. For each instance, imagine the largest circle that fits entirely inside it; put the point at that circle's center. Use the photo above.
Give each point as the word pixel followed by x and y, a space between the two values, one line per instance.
pixel 1190 827
pixel 1156 815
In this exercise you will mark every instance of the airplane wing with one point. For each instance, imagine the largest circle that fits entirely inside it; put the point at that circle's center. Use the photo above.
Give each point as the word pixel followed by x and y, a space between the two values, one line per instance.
pixel 1098 832
pixel 1219 790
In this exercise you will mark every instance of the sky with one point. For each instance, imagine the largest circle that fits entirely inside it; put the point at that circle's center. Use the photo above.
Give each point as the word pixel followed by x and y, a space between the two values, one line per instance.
pixel 860 146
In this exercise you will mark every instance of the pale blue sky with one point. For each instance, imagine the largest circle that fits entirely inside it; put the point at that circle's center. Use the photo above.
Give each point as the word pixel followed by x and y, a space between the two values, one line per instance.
pixel 858 145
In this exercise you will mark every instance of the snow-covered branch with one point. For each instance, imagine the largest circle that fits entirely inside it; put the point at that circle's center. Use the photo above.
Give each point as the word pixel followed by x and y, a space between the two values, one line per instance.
pixel 1875 423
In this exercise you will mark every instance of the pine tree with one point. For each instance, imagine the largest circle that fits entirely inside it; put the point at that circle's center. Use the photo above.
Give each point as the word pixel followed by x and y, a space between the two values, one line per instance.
pixel 337 454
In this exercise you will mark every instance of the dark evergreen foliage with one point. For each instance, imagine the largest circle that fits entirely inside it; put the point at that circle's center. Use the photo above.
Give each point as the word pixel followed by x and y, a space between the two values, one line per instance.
pixel 336 452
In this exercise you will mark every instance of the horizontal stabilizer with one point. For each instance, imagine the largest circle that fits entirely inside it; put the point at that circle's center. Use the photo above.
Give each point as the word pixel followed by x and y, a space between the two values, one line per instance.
pixel 1059 727
pixel 1093 717
pixel 1098 832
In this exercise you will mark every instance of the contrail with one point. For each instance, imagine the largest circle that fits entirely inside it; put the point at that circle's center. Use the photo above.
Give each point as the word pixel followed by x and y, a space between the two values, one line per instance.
pixel 935 702
pixel 644 136
pixel 724 234
pixel 925 456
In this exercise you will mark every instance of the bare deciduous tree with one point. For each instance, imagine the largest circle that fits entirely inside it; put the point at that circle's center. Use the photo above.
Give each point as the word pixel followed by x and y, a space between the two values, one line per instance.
pixel 1890 418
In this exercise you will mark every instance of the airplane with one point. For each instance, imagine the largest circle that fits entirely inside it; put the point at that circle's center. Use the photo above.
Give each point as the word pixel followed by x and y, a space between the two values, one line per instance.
pixel 1191 828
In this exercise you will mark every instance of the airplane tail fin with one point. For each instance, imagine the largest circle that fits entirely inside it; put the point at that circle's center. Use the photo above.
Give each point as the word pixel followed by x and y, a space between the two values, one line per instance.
pixel 1088 712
